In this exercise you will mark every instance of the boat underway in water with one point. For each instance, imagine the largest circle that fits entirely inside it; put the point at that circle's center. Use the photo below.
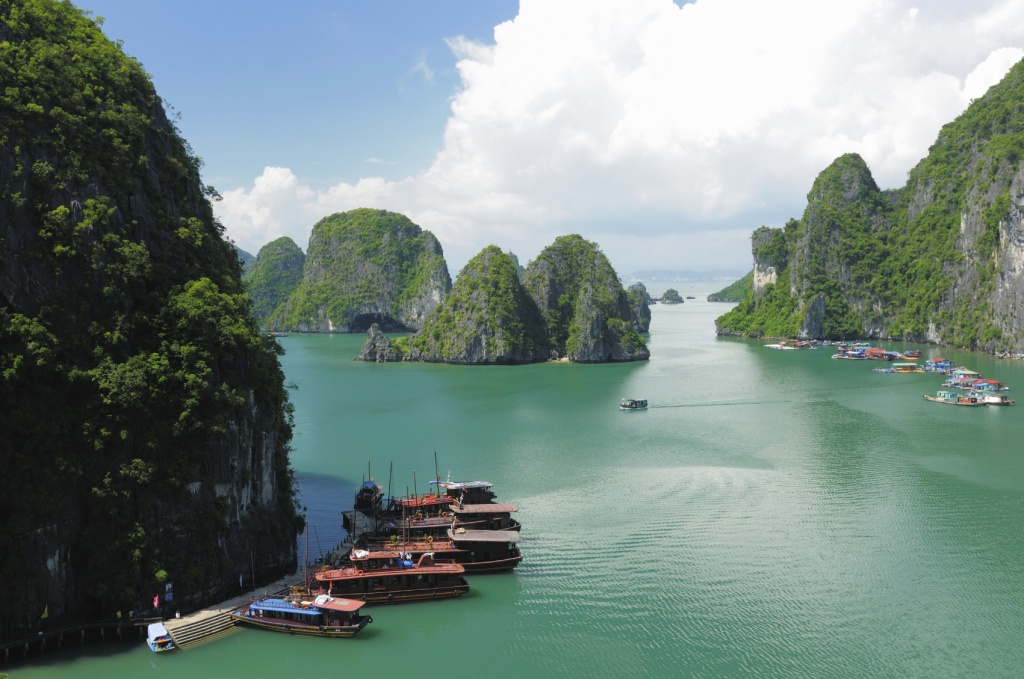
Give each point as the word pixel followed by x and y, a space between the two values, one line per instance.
pixel 318 616
pixel 158 639
pixel 400 581
pixel 633 403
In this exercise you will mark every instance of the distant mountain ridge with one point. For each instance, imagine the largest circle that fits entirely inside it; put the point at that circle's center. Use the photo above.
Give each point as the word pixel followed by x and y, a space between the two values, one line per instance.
pixel 685 275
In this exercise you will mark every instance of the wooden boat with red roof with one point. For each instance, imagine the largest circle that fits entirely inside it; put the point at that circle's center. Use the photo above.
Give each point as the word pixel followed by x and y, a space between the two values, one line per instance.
pixel 397 581
pixel 319 616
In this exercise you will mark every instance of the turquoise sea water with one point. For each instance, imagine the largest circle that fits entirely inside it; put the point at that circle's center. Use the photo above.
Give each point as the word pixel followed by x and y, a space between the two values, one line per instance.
pixel 772 514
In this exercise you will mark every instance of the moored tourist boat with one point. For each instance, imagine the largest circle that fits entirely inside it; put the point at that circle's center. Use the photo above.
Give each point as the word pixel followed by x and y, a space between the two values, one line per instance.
pixel 953 399
pixel 478 551
pixel 471 492
pixel 494 516
pixel 633 403
pixel 158 639
pixel 399 582
pixel 317 616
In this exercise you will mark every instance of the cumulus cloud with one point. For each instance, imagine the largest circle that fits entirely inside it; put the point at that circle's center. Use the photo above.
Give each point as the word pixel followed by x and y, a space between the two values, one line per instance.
pixel 667 133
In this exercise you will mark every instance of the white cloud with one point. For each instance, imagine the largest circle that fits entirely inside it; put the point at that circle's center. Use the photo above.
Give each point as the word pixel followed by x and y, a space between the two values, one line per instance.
pixel 669 132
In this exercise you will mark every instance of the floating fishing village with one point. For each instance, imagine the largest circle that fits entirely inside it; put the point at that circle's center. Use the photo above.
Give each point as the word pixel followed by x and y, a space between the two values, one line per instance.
pixel 962 386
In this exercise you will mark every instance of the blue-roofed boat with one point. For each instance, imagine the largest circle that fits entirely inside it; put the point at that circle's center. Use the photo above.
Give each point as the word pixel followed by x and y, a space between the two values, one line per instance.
pixel 158 639
pixel 318 615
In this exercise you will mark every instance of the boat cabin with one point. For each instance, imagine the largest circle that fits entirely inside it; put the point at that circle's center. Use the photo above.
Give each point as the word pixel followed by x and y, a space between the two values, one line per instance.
pixel 424 580
pixel 497 516
pixel 158 638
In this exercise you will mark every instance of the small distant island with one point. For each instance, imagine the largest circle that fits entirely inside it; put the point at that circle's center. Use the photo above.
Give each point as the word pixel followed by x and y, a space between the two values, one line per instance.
pixel 671 296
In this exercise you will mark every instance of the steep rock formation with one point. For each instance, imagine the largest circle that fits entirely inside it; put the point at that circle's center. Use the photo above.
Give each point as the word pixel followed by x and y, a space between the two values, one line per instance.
pixel 487 318
pixel 587 313
pixel 366 266
pixel 939 260
pixel 145 424
pixel 640 305
pixel 274 276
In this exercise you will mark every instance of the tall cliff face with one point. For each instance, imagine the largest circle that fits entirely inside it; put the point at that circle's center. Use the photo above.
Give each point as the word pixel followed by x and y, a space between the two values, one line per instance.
pixel 490 317
pixel 275 274
pixel 486 319
pixel 587 312
pixel 146 427
pixel 640 306
pixel 363 267
pixel 939 260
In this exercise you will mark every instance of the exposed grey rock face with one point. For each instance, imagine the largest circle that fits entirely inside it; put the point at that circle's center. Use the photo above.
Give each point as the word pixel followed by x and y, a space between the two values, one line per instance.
pixel 377 347
pixel 640 303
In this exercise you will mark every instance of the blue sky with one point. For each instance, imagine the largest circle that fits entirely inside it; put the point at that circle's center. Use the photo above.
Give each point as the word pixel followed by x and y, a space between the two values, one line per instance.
pixel 664 132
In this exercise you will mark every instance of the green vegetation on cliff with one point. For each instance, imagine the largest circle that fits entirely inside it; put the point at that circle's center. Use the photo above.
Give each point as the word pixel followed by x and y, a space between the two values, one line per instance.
pixel 487 317
pixel 586 311
pixel 366 266
pixel 274 276
pixel 127 348
pixel 671 296
pixel 926 262
pixel 734 292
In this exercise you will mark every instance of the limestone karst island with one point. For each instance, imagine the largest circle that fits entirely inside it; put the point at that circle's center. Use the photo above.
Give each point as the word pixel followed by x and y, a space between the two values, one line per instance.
pixel 164 468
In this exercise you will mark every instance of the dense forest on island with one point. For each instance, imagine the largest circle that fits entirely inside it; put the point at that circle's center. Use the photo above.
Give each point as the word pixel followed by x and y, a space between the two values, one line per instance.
pixel 734 292
pixel 569 304
pixel 938 260
pixel 362 267
pixel 274 275
pixel 146 427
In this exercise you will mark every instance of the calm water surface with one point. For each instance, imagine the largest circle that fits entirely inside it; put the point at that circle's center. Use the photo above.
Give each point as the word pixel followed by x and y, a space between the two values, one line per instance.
pixel 775 514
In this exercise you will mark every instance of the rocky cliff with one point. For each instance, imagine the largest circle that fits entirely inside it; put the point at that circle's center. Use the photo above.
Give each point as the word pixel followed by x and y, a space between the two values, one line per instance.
pixel 588 315
pixel 939 260
pixel 640 306
pixel 274 275
pixel 487 318
pixel 145 424
pixel 576 309
pixel 366 266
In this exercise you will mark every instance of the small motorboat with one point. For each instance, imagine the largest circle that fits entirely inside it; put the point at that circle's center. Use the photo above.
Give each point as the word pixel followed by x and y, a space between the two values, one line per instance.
pixel 633 403
pixel 158 639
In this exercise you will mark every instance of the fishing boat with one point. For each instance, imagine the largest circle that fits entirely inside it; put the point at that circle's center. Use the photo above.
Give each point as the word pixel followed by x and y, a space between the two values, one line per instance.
pixel 633 403
pixel 316 616
pixel 399 581
pixel 954 399
pixel 158 639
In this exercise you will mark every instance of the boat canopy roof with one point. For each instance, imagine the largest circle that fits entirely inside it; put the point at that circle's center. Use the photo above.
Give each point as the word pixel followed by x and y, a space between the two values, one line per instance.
pixel 157 630
pixel 281 606
pixel 328 603
pixel 510 536
pixel 904 365
pixel 496 508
